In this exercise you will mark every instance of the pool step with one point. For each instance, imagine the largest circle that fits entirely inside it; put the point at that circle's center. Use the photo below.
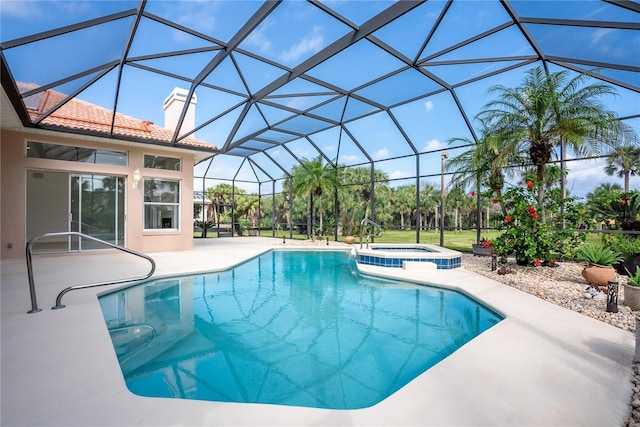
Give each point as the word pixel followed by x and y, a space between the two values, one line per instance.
pixel 419 265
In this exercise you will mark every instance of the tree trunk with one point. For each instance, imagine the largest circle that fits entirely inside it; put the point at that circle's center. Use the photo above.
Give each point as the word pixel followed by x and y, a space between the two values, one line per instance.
pixel 455 218
pixel 626 181
pixel 540 177
pixel 309 216
pixel 486 220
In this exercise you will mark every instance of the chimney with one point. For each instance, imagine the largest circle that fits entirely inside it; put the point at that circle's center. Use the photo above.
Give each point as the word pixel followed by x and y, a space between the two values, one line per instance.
pixel 173 105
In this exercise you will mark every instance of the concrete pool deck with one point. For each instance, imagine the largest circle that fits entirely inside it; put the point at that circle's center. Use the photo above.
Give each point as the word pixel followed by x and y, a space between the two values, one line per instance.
pixel 542 365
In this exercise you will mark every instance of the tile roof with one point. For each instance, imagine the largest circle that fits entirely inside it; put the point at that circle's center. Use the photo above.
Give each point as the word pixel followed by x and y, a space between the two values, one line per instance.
pixel 82 115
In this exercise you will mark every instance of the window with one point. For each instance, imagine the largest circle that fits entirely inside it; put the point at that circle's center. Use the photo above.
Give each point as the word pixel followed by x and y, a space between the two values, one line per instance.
pixel 40 150
pixel 161 162
pixel 161 204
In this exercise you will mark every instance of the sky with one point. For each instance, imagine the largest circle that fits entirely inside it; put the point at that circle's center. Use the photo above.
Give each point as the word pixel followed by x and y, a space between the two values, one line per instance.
pixel 292 34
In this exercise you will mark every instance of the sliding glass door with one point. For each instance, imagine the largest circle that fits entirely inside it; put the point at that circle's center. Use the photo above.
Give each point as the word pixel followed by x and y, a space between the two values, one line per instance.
pixel 96 208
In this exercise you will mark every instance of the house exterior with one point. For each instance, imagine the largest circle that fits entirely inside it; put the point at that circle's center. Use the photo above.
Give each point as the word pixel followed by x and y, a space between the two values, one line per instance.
pixel 133 194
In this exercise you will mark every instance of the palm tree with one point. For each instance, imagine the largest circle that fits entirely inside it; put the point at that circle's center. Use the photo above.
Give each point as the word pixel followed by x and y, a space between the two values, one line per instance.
pixel 549 108
pixel 625 161
pixel 220 196
pixel 429 200
pixel 486 163
pixel 313 177
pixel 404 202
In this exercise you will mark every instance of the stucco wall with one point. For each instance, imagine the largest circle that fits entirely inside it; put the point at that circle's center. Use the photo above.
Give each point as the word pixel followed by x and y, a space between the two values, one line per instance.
pixel 13 190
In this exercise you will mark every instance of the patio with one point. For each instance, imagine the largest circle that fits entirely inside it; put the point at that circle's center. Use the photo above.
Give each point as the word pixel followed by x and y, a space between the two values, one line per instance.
pixel 542 365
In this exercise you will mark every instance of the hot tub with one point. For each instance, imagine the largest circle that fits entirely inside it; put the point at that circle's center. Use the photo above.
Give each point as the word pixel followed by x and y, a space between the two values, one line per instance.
pixel 408 256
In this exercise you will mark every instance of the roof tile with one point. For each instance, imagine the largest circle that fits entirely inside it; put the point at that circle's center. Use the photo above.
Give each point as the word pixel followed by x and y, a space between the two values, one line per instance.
pixel 82 115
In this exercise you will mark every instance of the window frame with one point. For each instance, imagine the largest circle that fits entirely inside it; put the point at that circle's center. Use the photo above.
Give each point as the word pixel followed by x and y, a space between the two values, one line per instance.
pixel 147 155
pixel 176 205
pixel 96 152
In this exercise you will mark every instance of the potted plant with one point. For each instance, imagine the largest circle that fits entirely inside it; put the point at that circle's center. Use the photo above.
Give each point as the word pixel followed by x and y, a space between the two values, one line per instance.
pixel 601 259
pixel 632 291
pixel 483 248
pixel 629 247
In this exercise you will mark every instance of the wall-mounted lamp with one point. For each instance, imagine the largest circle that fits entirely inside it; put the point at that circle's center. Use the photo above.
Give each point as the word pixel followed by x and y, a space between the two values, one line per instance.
pixel 136 178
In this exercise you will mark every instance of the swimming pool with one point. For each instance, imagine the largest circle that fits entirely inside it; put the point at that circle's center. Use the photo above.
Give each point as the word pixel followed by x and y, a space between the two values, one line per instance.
pixel 297 328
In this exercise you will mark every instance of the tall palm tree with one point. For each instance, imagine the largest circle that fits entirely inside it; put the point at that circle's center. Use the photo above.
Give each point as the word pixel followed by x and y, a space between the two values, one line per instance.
pixel 487 163
pixel 625 162
pixel 313 177
pixel 429 200
pixel 549 108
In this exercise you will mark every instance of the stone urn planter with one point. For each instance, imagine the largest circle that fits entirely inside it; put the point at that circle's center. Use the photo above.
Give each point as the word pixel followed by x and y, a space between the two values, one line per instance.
pixel 632 297
pixel 349 240
pixel 599 275
pixel 479 250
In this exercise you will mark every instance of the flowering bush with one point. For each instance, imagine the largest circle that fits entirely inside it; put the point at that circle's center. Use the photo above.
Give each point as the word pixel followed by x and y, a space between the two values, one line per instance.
pixel 533 240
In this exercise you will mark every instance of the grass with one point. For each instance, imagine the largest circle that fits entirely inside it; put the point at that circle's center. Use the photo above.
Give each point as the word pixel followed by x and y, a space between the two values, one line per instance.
pixel 456 240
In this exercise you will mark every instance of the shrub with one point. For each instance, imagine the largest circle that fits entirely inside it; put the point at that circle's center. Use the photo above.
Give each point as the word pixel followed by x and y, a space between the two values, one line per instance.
pixel 634 279
pixel 533 240
pixel 598 254
pixel 627 246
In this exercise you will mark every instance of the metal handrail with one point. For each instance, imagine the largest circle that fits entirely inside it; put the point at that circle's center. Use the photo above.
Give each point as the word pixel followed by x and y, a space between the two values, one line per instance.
pixel 375 224
pixel 32 288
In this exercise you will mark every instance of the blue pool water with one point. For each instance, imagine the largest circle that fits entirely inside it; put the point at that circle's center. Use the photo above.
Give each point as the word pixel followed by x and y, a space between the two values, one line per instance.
pixel 286 328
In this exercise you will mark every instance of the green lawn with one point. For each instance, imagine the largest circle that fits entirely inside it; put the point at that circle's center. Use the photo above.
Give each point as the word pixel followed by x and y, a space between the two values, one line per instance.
pixel 457 240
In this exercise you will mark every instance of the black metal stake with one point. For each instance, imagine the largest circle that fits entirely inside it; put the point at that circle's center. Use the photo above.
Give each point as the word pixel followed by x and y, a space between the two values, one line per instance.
pixel 612 297
pixel 494 263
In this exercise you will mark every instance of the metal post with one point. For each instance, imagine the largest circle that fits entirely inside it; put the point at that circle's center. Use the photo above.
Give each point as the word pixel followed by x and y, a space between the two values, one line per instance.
pixel 612 297
pixel 494 262
pixel 32 287
pixel 443 157
pixel 418 209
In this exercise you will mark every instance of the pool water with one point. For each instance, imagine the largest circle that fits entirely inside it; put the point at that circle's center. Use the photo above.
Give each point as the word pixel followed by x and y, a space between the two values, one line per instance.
pixel 286 328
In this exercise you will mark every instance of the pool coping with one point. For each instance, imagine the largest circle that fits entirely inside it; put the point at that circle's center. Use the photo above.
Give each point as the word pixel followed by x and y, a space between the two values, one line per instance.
pixel 542 364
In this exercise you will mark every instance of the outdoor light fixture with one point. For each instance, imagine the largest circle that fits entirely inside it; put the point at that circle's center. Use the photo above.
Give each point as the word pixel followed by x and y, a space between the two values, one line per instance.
pixel 444 156
pixel 136 178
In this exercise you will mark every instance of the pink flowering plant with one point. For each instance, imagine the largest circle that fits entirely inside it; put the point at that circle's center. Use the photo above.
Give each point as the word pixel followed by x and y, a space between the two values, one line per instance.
pixel 527 235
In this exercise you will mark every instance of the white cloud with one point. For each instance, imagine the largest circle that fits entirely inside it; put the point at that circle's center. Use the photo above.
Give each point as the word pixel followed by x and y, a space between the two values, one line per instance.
pixel 22 9
pixel 382 153
pixel 349 159
pixel 432 145
pixel 428 105
pixel 296 103
pixel 201 12
pixel 275 153
pixel 400 174
pixel 329 148
pixel 599 34
pixel 259 39
pixel 311 43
